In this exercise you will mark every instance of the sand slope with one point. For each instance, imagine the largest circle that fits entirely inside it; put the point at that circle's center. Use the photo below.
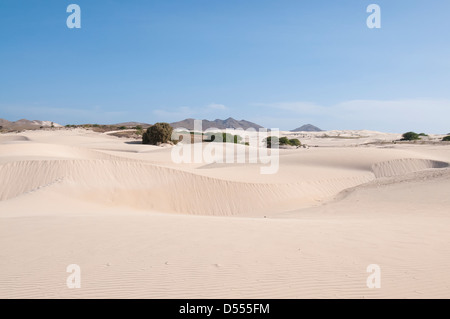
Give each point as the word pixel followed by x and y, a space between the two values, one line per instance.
pixel 123 212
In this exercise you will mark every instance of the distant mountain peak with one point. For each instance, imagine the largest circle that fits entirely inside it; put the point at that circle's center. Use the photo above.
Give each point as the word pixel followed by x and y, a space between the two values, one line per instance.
pixel 217 123
pixel 24 124
pixel 307 128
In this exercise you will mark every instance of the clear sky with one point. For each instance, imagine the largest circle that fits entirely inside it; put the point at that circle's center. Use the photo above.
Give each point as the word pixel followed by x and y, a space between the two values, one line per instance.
pixel 279 63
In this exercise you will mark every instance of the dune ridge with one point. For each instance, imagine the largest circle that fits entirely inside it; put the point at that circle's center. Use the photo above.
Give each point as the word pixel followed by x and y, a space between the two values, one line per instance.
pixel 147 186
pixel 141 226
pixel 405 166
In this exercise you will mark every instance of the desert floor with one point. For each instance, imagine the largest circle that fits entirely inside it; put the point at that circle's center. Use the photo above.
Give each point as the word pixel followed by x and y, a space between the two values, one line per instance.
pixel 140 225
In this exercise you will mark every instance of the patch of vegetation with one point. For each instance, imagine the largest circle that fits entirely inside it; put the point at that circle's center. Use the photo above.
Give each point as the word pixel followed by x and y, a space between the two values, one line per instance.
pixel 127 134
pixel 446 139
pixel 410 136
pixel 284 140
pixel 158 133
pixel 237 139
pixel 95 127
pixel 423 134
pixel 273 140
pixel 295 142
pixel 226 138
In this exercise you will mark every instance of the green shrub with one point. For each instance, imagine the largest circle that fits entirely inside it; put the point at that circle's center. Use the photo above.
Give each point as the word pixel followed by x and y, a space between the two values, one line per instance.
pixel 229 138
pixel 272 141
pixel 210 136
pixel 295 142
pixel 226 138
pixel 145 139
pixel 284 141
pixel 410 136
pixel 158 133
pixel 446 139
pixel 423 134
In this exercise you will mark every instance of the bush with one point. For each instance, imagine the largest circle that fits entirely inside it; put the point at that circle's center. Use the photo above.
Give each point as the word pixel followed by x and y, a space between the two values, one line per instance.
pixel 284 141
pixel 446 139
pixel 145 139
pixel 158 133
pixel 122 127
pixel 423 134
pixel 295 142
pixel 226 138
pixel 410 136
pixel 272 141
pixel 210 136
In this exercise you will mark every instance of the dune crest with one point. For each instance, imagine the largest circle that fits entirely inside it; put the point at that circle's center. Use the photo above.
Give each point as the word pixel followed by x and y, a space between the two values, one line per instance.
pixel 124 213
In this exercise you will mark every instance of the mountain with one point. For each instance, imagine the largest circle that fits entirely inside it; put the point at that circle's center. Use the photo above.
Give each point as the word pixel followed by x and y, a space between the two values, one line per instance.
pixel 24 124
pixel 307 128
pixel 4 123
pixel 133 124
pixel 219 124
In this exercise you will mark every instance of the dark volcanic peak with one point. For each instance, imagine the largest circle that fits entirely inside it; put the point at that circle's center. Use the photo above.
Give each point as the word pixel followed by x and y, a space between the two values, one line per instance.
pixel 307 128
pixel 218 123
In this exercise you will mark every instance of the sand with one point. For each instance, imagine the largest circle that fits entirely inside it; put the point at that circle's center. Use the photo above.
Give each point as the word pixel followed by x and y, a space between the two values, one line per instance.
pixel 141 226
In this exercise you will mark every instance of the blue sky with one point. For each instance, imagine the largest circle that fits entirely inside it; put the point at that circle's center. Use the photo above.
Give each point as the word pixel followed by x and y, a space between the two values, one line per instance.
pixel 279 63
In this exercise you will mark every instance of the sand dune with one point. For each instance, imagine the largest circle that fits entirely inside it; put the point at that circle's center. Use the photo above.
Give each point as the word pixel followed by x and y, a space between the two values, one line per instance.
pixel 123 212
pixel 404 166
pixel 146 186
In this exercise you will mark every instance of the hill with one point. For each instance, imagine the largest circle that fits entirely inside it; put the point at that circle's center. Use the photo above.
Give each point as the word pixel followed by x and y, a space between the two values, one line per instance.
pixel 307 128
pixel 219 124
pixel 24 124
